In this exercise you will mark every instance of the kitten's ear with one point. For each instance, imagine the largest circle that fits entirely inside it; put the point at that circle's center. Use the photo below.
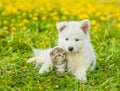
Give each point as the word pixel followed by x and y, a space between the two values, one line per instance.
pixel 61 26
pixel 85 25
pixel 51 53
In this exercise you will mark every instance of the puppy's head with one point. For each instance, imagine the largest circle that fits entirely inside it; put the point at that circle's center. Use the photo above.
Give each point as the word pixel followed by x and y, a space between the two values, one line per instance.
pixel 73 35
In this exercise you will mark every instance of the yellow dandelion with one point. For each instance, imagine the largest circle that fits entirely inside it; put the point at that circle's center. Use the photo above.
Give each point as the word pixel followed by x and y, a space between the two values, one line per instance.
pixel 13 28
pixel 102 18
pixel 1 32
pixel 95 28
pixel 25 59
pixel 3 13
pixel 35 14
pixel 47 39
pixel 37 81
pixel 24 67
pixel 25 21
pixel 42 8
pixel 98 14
pixel 55 18
pixel 67 12
pixel 93 22
pixel 21 24
pixel 93 83
pixel 20 40
pixel 118 25
pixel 13 33
pixel 24 28
pixel 30 15
pixel 63 17
pixel 43 45
pixel 3 81
pixel 19 16
pixel 28 77
pixel 119 18
pixel 48 80
pixel 5 22
pixel 1 5
pixel 13 20
pixel 53 14
pixel 12 25
pixel 113 40
pixel 5 28
pixel 35 18
pixel 106 33
pixel 38 85
pixel 14 54
pixel 83 16
pixel 24 14
pixel 43 17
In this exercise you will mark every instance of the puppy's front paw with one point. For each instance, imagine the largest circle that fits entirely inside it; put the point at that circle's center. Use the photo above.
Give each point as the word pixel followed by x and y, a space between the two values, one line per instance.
pixel 84 80
pixel 81 77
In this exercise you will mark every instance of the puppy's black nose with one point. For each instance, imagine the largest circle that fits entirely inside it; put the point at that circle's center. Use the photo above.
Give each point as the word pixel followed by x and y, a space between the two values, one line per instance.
pixel 70 48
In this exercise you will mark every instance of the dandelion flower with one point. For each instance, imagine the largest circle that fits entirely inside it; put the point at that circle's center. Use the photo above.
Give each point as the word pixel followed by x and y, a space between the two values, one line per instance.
pixel 35 18
pixel 24 28
pixel 48 80
pixel 13 28
pixel 5 28
pixel 93 22
pixel 24 67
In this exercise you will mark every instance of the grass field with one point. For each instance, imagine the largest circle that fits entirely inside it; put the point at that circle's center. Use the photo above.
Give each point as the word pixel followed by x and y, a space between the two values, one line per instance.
pixel 24 22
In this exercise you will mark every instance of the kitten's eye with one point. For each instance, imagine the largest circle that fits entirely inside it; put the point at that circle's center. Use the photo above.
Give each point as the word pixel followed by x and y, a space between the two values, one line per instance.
pixel 66 39
pixel 76 39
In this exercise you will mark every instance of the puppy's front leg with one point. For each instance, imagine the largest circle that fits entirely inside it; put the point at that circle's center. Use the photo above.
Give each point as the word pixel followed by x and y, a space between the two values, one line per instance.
pixel 80 74
pixel 46 66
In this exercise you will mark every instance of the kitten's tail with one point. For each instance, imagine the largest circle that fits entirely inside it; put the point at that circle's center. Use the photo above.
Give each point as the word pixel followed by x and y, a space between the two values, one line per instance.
pixel 34 50
pixel 33 58
pixel 93 64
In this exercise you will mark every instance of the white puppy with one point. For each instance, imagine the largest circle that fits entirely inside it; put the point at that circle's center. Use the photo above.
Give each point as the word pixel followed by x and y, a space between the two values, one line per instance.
pixel 74 38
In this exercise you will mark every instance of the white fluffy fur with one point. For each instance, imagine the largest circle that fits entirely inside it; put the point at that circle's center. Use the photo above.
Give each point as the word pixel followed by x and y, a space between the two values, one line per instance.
pixel 82 55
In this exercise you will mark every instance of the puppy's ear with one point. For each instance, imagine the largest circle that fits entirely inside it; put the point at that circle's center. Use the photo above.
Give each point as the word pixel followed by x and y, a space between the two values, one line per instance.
pixel 85 25
pixel 61 25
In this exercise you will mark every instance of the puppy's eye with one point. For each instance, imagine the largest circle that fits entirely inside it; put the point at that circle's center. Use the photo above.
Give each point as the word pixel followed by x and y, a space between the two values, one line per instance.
pixel 66 39
pixel 76 39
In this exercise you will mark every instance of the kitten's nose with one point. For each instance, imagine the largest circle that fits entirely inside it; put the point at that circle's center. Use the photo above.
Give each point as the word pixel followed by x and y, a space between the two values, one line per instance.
pixel 70 48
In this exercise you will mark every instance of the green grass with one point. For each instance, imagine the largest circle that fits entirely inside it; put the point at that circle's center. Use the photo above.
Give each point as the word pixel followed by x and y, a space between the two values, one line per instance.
pixel 15 74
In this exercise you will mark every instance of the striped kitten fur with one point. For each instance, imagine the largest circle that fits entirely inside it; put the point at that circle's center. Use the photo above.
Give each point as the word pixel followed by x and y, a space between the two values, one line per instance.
pixel 58 57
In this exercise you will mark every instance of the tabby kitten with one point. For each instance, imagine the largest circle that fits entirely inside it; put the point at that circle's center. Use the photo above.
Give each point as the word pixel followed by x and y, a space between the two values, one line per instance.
pixel 58 57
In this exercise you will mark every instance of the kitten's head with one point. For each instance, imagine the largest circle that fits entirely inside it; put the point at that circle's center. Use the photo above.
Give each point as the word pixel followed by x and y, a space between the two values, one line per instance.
pixel 57 54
